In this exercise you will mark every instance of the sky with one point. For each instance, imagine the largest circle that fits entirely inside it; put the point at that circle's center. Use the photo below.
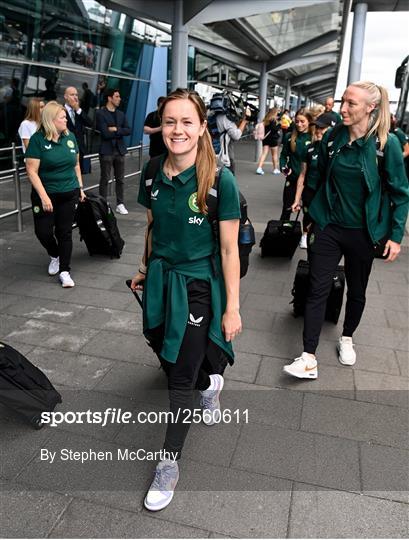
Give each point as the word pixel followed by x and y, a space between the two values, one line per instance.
pixel 386 45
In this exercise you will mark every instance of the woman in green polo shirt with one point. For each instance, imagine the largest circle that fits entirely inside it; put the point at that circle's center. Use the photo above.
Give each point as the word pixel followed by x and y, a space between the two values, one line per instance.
pixel 354 211
pixel 191 286
pixel 52 165
pixel 293 153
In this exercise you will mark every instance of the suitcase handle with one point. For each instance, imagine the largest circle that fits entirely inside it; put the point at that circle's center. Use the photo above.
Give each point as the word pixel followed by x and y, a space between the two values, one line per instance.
pixel 128 283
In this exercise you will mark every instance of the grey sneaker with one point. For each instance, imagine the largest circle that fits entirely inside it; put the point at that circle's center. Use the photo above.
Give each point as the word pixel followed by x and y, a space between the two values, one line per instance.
pixel 162 488
pixel 210 401
pixel 54 266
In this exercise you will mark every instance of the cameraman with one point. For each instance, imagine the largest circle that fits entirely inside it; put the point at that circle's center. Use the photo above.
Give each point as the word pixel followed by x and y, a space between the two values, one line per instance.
pixel 233 131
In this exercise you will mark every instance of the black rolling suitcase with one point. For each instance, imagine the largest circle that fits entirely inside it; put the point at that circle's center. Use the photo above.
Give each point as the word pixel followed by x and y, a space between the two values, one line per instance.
pixel 24 388
pixel 98 227
pixel 281 238
pixel 300 289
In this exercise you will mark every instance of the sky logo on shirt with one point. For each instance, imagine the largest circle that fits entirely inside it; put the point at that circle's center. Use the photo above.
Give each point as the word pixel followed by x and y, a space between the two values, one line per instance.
pixel 196 220
pixel 154 195
pixel 194 322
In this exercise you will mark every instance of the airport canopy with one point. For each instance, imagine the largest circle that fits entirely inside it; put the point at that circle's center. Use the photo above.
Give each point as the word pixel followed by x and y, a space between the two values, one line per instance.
pixel 295 41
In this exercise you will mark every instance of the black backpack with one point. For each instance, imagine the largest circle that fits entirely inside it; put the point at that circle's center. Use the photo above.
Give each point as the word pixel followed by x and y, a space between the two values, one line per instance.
pixel 24 388
pixel 246 238
pixel 98 227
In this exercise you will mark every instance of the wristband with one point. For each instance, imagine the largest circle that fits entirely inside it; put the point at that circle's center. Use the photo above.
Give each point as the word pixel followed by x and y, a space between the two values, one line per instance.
pixel 142 269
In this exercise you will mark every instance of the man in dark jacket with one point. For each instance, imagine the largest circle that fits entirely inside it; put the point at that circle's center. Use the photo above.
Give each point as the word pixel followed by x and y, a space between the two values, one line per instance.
pixel 153 128
pixel 113 126
pixel 77 121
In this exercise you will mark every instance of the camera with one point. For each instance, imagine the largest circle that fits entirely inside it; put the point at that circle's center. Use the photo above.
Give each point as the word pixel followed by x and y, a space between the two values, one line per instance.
pixel 235 108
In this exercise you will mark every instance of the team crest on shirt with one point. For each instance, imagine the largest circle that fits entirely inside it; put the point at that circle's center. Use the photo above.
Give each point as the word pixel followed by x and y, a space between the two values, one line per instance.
pixel 192 202
pixel 70 144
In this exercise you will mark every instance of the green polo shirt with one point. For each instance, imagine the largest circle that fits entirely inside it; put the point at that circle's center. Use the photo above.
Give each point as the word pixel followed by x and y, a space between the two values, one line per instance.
pixel 401 135
pixel 294 159
pixel 182 245
pixel 57 161
pixel 181 233
pixel 349 183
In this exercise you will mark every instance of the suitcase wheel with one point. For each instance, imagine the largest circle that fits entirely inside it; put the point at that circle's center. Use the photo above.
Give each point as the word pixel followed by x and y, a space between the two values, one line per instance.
pixel 36 422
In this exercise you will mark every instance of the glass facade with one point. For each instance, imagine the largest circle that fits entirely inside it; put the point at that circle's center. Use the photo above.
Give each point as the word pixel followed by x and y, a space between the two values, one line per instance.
pixel 47 45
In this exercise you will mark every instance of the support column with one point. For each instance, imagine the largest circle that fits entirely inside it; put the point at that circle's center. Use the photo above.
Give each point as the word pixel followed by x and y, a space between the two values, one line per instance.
pixel 262 103
pixel 357 42
pixel 299 100
pixel 287 95
pixel 179 48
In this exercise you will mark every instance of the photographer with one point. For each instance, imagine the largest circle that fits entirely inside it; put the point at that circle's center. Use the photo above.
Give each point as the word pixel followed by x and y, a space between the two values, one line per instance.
pixel 232 131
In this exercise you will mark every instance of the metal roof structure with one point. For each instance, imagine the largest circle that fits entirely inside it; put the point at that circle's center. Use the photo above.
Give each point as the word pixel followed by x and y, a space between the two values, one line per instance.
pixel 299 41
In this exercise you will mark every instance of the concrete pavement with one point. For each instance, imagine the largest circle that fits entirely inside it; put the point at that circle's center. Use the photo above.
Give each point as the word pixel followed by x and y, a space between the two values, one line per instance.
pixel 325 458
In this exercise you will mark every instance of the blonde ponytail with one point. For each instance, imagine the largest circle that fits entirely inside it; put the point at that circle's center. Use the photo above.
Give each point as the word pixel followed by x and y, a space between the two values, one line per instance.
pixel 380 117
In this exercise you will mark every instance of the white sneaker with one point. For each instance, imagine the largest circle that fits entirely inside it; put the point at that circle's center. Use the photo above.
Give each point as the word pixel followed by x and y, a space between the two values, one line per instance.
pixel 66 280
pixel 162 488
pixel 276 171
pixel 121 209
pixel 303 242
pixel 259 171
pixel 346 352
pixel 54 266
pixel 304 367
pixel 210 401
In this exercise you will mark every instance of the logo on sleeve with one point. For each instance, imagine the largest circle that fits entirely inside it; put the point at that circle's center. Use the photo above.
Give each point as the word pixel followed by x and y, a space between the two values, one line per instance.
pixel 194 322
pixel 154 195
pixel 192 202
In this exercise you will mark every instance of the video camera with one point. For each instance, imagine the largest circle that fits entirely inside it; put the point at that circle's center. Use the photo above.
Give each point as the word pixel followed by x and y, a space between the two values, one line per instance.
pixel 235 108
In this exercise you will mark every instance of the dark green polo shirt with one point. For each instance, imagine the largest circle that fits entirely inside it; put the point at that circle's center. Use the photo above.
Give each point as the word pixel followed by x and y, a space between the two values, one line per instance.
pixel 349 182
pixel 181 233
pixel 294 159
pixel 401 135
pixel 312 177
pixel 57 161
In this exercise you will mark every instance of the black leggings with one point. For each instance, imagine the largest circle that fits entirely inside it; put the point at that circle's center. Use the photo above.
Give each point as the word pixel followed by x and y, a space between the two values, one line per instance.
pixel 193 365
pixel 325 251
pixel 307 197
pixel 290 188
pixel 54 229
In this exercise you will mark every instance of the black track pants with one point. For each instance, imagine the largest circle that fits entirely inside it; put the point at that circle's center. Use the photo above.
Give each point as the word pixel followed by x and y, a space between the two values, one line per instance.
pixel 190 370
pixel 325 251
pixel 54 229
pixel 290 188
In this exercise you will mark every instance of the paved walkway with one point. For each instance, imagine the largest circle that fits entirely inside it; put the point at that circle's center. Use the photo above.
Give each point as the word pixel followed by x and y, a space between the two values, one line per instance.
pixel 325 458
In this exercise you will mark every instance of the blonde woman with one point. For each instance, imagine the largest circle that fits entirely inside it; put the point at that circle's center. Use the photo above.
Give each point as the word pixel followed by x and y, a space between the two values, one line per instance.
pixel 191 284
pixel 53 169
pixel 354 211
pixel 272 132
pixel 31 122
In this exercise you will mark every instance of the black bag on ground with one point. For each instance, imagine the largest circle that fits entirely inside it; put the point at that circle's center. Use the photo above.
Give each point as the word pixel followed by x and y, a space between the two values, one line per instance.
pixel 300 290
pixel 24 388
pixel 281 238
pixel 98 227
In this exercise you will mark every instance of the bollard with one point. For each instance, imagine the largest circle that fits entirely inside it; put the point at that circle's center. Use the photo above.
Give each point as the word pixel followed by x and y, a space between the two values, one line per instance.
pixel 17 187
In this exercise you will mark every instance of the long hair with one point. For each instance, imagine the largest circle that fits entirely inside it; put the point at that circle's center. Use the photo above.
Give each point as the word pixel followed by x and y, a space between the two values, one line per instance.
pixel 33 113
pixel 380 119
pixel 293 139
pixel 49 114
pixel 271 115
pixel 205 158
